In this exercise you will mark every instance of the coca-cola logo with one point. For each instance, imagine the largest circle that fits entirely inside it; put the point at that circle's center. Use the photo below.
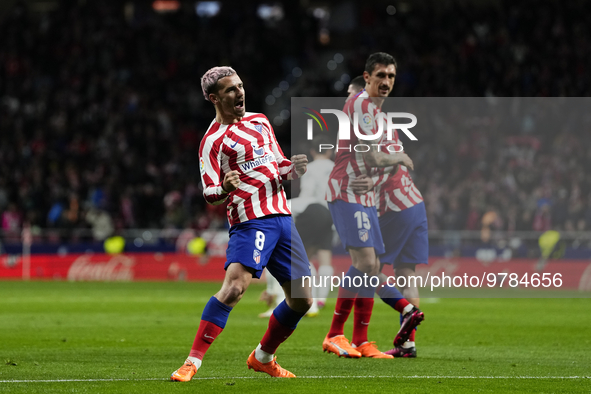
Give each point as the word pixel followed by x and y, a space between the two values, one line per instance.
pixel 448 267
pixel 117 268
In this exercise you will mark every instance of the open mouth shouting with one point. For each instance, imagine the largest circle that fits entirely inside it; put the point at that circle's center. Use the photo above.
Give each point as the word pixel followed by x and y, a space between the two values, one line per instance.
pixel 239 105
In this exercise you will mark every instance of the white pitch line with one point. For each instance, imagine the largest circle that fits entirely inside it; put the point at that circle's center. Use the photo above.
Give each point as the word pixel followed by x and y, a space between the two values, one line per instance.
pixel 300 377
pixel 77 380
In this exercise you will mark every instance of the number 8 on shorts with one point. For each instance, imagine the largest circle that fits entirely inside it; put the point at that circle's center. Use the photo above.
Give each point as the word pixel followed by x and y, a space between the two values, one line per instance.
pixel 259 241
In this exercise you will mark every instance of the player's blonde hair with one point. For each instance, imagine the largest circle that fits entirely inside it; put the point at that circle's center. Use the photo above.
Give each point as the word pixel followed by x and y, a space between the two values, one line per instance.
pixel 210 79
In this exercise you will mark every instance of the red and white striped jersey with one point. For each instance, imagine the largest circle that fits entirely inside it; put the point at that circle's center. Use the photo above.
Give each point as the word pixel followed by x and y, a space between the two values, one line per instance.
pixel 249 147
pixel 393 186
pixel 350 164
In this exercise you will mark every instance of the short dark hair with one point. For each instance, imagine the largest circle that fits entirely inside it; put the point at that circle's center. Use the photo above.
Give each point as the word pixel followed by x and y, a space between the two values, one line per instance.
pixel 320 139
pixel 379 58
pixel 358 81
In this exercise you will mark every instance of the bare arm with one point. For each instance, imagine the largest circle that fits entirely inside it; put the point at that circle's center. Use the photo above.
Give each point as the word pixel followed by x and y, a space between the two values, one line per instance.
pixel 381 159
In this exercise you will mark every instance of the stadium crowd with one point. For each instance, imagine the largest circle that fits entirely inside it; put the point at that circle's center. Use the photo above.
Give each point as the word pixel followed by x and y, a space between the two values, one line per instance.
pixel 101 111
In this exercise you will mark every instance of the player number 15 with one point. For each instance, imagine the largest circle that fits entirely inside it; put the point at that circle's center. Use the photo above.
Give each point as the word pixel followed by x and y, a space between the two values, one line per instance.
pixel 362 220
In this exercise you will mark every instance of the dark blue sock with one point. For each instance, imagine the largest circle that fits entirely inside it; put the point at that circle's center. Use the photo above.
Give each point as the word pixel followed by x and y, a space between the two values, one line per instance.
pixel 359 285
pixel 390 295
pixel 349 281
pixel 287 316
pixel 367 290
pixel 216 312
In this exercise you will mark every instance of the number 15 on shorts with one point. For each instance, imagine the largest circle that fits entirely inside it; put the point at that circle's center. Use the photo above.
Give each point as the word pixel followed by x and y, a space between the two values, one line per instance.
pixel 363 225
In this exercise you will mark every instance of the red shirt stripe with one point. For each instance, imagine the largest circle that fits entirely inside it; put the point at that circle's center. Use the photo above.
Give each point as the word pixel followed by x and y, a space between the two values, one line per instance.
pixel 249 147
pixel 393 186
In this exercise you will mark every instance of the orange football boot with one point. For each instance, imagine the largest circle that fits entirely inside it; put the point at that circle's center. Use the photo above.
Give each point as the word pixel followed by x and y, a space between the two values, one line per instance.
pixel 340 346
pixel 369 349
pixel 184 373
pixel 271 368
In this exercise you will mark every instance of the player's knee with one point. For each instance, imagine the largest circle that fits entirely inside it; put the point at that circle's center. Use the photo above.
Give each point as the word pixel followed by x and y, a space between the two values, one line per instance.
pixel 308 303
pixel 409 275
pixel 366 265
pixel 233 292
pixel 405 270
pixel 301 305
pixel 364 259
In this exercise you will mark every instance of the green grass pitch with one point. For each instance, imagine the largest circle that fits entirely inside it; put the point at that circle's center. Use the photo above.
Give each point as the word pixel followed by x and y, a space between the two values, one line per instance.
pixel 129 337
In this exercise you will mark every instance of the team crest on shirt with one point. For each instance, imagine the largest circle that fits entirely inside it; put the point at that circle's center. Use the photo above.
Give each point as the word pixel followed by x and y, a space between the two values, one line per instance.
pixel 363 235
pixel 259 128
pixel 256 256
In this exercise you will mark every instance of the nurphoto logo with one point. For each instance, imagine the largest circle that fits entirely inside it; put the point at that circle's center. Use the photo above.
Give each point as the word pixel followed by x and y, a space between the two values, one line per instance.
pixel 384 120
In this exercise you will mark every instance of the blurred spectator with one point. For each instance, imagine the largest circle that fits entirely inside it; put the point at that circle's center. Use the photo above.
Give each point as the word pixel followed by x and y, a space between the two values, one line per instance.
pixel 490 221
pixel 101 222
pixel 174 216
pixel 542 219
pixel 3 194
pixel 525 221
pixel 11 220
pixel 560 210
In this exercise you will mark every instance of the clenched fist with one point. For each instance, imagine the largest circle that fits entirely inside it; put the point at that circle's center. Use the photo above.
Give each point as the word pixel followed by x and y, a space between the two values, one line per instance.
pixel 231 181
pixel 300 164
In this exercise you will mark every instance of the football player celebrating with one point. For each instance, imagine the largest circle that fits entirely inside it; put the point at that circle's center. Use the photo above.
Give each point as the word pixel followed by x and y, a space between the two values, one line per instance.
pixel 242 162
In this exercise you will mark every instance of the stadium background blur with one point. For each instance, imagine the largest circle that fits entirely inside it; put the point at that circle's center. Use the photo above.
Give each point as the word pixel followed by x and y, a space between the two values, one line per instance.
pixel 101 110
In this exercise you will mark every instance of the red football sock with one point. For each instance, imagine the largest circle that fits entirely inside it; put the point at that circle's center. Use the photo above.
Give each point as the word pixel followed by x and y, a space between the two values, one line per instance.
pixel 412 335
pixel 361 317
pixel 342 310
pixel 206 334
pixel 276 334
pixel 400 305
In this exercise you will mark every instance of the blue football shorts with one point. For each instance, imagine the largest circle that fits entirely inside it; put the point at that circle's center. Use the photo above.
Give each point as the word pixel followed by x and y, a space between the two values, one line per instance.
pixel 271 241
pixel 405 236
pixel 358 226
